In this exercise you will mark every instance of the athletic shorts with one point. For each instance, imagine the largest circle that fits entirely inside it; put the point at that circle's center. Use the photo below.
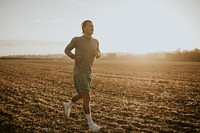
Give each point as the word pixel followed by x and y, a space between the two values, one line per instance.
pixel 82 82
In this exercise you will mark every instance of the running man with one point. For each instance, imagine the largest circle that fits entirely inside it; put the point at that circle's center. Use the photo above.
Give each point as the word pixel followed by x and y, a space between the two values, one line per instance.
pixel 86 49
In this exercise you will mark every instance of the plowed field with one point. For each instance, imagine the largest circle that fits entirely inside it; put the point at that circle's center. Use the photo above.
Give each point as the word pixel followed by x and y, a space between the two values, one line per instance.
pixel 126 96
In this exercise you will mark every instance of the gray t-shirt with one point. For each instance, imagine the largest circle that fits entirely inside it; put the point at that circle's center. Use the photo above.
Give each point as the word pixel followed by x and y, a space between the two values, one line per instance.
pixel 84 47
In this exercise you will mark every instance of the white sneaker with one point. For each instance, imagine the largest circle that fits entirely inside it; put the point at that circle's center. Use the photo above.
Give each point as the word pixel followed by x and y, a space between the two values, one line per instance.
pixel 94 128
pixel 67 109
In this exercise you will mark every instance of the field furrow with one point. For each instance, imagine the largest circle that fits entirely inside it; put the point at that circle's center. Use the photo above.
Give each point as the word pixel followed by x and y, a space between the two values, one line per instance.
pixel 132 97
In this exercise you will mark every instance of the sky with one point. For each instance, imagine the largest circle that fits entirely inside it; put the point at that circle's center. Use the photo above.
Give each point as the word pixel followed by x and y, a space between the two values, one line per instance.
pixel 132 26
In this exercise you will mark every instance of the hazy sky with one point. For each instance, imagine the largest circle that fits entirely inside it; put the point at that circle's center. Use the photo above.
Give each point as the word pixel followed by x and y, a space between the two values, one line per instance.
pixel 134 26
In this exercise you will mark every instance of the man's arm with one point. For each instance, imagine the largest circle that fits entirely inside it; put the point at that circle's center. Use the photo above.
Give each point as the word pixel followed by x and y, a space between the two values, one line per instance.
pixel 69 48
pixel 97 52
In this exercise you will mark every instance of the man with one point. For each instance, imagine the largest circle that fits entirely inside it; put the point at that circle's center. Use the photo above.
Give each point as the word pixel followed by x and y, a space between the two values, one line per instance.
pixel 86 49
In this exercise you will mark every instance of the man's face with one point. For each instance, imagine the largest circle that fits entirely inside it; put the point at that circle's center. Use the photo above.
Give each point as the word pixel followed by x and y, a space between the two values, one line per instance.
pixel 89 28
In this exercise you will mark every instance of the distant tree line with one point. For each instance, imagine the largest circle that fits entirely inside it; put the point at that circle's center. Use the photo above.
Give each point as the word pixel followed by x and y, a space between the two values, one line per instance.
pixel 178 55
pixel 47 56
pixel 185 55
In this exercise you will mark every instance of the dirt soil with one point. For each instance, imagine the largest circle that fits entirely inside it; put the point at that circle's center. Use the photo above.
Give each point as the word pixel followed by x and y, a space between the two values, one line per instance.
pixel 126 96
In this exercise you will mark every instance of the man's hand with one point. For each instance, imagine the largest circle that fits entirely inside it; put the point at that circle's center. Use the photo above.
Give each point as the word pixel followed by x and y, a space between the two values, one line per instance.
pixel 77 58
pixel 97 54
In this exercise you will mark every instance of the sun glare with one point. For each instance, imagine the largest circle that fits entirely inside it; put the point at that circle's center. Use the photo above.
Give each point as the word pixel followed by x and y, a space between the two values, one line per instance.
pixel 148 26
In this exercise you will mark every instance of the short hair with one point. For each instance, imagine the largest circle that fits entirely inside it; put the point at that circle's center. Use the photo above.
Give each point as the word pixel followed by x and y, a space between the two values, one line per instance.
pixel 84 24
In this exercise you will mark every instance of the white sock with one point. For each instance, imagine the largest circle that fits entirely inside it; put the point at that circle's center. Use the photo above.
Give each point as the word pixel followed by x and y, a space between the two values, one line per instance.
pixel 70 103
pixel 89 119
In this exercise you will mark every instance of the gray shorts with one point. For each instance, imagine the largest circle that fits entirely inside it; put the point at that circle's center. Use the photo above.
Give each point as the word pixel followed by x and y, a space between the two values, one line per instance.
pixel 82 82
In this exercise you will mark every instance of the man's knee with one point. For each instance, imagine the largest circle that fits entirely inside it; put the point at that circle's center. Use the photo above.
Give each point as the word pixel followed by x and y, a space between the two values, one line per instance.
pixel 86 99
pixel 80 95
pixel 86 96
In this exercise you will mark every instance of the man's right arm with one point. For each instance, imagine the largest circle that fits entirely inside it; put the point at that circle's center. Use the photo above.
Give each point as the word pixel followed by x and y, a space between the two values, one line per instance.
pixel 69 48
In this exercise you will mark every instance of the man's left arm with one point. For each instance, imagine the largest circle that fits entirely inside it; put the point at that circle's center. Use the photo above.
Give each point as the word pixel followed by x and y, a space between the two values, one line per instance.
pixel 97 52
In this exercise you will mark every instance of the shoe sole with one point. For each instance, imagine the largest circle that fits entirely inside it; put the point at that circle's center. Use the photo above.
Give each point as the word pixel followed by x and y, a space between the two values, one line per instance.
pixel 94 130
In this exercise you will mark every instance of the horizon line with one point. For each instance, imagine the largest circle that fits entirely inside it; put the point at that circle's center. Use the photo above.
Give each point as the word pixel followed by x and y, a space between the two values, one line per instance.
pixel 104 53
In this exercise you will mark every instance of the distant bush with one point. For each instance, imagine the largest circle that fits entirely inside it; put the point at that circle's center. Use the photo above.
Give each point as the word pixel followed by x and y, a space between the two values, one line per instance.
pixel 112 56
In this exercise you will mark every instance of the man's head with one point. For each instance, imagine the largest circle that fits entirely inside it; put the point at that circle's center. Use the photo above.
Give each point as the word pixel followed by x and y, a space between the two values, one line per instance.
pixel 87 27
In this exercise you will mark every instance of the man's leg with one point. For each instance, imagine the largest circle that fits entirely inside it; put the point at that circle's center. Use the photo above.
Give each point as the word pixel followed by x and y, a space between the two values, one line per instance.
pixel 86 102
pixel 87 110
pixel 67 106
pixel 76 97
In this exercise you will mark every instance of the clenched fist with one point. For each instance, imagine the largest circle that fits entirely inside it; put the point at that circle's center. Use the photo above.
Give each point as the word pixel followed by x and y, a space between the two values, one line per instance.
pixel 97 54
